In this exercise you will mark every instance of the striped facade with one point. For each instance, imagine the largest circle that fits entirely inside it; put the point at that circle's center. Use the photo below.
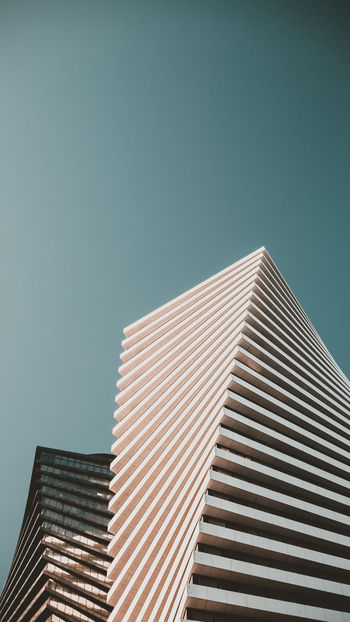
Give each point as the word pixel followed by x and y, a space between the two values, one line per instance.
pixel 231 492
pixel 60 564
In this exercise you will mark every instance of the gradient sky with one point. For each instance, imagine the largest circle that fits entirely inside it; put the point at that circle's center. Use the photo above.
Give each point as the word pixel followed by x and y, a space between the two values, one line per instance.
pixel 143 147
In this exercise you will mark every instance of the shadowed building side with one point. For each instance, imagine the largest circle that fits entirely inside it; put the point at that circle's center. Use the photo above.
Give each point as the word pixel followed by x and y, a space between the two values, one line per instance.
pixel 59 567
pixel 232 470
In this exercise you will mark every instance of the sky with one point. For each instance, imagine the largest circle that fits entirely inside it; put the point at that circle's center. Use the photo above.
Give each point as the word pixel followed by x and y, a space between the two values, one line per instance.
pixel 145 146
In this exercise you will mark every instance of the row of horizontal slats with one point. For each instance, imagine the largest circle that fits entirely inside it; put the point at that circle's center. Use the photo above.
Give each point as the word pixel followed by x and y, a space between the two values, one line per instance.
pixel 274 538
pixel 232 448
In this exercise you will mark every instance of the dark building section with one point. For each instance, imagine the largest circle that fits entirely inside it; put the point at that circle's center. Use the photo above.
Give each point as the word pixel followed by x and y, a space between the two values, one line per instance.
pixel 59 568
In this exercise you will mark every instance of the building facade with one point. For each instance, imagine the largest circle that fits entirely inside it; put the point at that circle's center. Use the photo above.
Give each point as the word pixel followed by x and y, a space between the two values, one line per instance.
pixel 231 493
pixel 59 568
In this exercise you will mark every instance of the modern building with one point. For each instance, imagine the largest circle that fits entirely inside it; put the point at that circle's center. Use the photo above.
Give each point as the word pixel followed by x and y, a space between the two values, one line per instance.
pixel 231 494
pixel 59 568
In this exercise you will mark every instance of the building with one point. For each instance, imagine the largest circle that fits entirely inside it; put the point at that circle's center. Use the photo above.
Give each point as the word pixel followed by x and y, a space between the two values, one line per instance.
pixel 232 469
pixel 59 567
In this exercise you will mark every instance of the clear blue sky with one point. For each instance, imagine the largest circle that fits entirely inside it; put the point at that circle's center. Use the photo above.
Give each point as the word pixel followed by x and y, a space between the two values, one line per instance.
pixel 143 147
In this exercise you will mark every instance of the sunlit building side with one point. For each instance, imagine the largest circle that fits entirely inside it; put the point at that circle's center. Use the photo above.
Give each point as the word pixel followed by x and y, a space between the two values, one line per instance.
pixel 231 494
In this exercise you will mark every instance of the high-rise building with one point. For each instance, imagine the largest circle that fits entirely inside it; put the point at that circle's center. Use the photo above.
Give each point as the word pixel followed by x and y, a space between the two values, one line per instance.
pixel 59 568
pixel 232 469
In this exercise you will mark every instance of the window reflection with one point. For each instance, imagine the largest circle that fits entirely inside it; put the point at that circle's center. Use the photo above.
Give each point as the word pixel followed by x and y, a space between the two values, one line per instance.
pixel 67 520
pixel 75 463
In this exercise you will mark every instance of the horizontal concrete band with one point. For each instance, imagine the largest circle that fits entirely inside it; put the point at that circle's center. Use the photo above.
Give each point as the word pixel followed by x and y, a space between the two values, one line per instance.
pixel 274 523
pixel 270 549
pixel 231 569
pixel 286 463
pixel 212 599
pixel 255 493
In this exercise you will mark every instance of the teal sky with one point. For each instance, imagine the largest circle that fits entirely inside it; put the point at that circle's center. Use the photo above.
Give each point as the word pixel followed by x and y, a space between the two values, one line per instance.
pixel 143 147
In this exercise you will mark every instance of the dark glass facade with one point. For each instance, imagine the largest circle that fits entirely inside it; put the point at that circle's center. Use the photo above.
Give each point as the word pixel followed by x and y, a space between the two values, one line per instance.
pixel 59 568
